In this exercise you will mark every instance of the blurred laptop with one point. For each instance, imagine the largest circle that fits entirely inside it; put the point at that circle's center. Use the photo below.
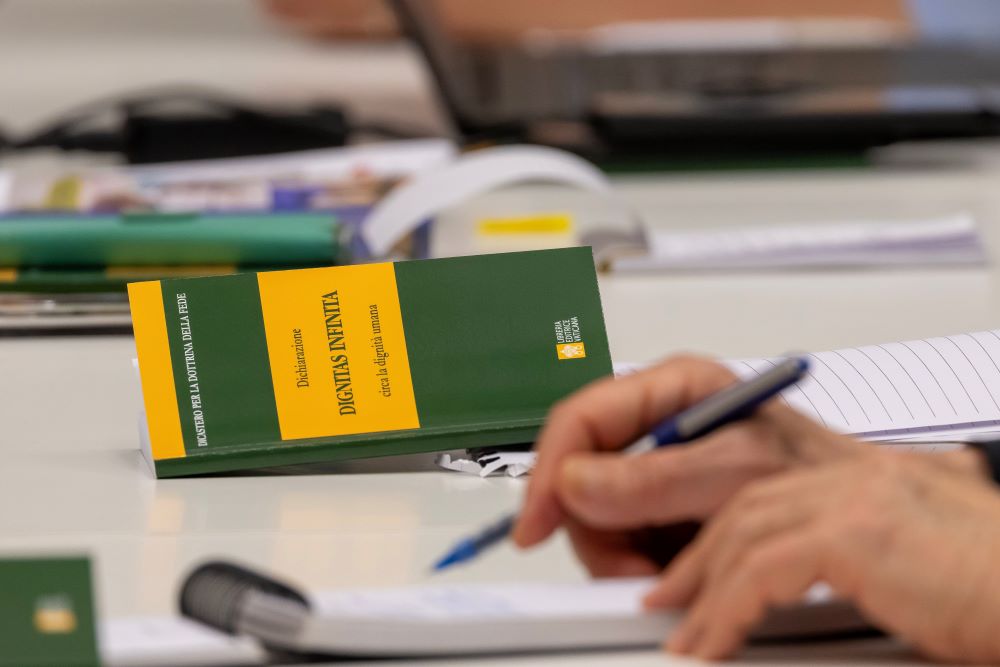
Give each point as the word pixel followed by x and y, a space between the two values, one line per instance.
pixel 713 78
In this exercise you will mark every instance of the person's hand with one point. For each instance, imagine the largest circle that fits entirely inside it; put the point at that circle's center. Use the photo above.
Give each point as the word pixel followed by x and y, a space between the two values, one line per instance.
pixel 615 506
pixel 912 540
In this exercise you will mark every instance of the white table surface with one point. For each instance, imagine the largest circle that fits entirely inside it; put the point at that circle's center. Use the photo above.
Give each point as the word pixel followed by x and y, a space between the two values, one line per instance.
pixel 71 479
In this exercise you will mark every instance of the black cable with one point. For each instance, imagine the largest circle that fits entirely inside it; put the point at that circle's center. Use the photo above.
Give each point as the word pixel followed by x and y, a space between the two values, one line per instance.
pixel 131 104
pixel 385 130
pixel 76 129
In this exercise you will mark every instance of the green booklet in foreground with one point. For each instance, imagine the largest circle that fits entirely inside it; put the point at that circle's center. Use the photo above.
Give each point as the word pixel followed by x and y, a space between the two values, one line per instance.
pixel 47 613
pixel 315 365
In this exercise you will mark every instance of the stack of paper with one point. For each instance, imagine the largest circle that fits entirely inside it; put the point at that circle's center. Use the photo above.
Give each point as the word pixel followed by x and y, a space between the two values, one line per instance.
pixel 167 641
pixel 951 240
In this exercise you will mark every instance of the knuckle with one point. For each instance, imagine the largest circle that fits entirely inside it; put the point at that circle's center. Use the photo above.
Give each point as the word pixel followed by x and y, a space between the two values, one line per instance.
pixel 753 496
pixel 686 358
pixel 887 466
pixel 751 445
pixel 859 526
pixel 656 471
pixel 744 528
pixel 761 564
pixel 690 361
pixel 755 432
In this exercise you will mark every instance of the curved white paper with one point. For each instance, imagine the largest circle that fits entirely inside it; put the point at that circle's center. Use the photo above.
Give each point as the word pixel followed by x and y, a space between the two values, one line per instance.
pixel 477 173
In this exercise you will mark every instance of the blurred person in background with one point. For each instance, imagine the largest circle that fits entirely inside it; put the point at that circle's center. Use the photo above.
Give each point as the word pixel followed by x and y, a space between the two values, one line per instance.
pixel 374 19
pixel 358 19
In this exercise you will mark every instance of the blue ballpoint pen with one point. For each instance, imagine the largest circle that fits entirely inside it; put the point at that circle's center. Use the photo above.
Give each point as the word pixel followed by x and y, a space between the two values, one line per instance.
pixel 729 405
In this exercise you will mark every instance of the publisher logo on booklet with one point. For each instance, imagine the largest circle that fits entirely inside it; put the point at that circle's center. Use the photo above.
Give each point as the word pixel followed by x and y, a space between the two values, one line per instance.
pixel 569 340
pixel 571 351
pixel 54 615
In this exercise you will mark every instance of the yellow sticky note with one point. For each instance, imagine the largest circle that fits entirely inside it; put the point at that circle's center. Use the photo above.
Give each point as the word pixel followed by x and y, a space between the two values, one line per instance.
pixel 65 194
pixel 542 223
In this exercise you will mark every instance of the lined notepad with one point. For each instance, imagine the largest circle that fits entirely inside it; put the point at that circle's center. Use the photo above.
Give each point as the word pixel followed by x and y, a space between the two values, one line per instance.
pixel 939 387
pixel 945 388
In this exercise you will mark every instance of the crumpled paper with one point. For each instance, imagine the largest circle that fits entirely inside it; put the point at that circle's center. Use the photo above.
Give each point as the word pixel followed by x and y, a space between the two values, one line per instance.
pixel 490 463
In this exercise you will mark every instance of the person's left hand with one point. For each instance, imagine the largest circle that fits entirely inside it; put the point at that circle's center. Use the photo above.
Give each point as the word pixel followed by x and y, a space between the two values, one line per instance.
pixel 911 539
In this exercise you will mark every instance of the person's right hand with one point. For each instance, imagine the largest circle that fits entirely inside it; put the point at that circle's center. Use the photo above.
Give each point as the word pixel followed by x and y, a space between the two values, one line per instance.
pixel 615 507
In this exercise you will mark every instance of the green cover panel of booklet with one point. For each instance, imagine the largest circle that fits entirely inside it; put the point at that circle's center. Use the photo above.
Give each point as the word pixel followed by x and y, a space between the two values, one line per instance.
pixel 317 365
pixel 47 616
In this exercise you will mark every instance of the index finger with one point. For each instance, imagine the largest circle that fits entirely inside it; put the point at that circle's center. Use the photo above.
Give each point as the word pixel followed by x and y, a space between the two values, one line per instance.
pixel 608 415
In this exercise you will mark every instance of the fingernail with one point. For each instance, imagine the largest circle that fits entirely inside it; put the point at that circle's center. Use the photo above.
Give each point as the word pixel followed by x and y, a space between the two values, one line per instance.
pixel 656 600
pixel 653 597
pixel 665 595
pixel 681 640
pixel 524 535
pixel 536 523
pixel 705 651
pixel 700 653
pixel 517 535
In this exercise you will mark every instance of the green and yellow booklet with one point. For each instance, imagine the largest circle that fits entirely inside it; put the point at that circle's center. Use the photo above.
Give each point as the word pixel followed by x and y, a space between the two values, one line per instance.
pixel 47 613
pixel 315 365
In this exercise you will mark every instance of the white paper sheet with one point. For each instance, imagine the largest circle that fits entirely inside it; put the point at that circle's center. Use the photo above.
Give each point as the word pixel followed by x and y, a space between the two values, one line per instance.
pixel 173 642
pixel 511 464
pixel 436 190
pixel 950 240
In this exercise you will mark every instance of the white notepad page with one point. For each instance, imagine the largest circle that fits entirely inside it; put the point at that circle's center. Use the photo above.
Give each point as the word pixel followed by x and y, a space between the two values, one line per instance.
pixel 492 618
pixel 469 602
pixel 939 387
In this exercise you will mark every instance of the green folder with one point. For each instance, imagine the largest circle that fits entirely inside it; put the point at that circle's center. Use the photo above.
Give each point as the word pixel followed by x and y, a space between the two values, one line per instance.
pixel 111 279
pixel 299 239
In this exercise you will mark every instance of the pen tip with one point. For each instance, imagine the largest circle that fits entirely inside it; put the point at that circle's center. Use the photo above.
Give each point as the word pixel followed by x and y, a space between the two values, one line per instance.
pixel 444 563
pixel 463 552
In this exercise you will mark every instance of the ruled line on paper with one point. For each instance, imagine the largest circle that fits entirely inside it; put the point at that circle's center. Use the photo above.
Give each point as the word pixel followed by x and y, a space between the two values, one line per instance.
pixel 902 388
